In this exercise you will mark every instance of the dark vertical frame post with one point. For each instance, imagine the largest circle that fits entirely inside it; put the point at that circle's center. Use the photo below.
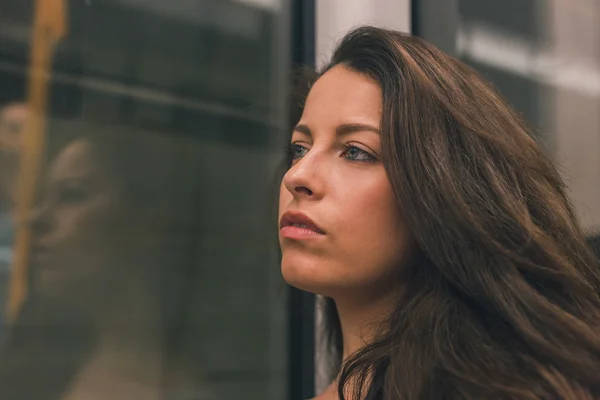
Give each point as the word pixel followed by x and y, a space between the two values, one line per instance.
pixel 301 345
pixel 301 304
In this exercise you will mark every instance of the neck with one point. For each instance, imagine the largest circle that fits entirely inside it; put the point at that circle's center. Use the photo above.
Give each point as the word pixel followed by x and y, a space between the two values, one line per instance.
pixel 131 338
pixel 360 321
pixel 122 366
pixel 128 358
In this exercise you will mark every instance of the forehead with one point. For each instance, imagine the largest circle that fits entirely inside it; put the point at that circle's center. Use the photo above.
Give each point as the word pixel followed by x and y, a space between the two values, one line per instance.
pixel 342 95
pixel 74 161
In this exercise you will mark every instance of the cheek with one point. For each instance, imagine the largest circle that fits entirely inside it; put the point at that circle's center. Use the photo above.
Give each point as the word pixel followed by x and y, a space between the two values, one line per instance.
pixel 373 209
pixel 89 227
pixel 368 241
pixel 78 252
pixel 374 240
pixel 87 242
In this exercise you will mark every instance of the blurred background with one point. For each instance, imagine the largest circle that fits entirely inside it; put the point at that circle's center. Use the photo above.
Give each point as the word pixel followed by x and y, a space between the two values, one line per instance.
pixel 139 148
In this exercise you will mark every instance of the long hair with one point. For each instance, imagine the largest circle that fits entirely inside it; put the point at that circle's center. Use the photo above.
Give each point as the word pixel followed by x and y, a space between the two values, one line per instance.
pixel 502 300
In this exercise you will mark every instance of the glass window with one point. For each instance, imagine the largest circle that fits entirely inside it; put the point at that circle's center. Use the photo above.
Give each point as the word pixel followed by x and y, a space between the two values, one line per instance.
pixel 544 57
pixel 138 140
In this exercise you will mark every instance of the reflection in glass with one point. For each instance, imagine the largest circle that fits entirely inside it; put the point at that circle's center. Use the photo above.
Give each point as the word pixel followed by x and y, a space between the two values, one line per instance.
pixel 111 259
pixel 13 116
pixel 544 57
pixel 153 271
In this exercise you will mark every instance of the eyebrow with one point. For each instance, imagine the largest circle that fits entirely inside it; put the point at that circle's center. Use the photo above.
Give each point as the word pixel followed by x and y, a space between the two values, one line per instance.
pixel 72 179
pixel 341 130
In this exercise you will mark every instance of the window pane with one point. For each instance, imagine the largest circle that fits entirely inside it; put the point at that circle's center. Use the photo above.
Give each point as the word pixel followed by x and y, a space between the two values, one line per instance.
pixel 544 58
pixel 137 255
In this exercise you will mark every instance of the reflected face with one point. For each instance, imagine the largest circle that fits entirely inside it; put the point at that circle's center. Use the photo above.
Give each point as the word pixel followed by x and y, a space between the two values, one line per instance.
pixel 79 227
pixel 12 125
pixel 341 229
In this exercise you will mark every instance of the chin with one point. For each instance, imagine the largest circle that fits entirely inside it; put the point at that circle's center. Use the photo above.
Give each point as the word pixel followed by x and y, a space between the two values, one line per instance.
pixel 333 279
pixel 310 277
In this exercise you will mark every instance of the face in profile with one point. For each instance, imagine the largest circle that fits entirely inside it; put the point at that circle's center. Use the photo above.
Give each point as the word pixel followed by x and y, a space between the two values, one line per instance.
pixel 80 229
pixel 340 226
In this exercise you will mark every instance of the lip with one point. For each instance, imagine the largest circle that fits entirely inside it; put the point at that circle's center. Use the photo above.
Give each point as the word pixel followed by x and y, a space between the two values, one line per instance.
pixel 298 226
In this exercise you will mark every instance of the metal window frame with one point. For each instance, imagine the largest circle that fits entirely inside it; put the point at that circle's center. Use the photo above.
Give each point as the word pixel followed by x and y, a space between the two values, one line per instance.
pixel 301 315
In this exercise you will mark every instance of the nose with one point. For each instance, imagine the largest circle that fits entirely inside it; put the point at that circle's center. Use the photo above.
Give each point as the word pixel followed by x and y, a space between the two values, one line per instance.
pixel 306 178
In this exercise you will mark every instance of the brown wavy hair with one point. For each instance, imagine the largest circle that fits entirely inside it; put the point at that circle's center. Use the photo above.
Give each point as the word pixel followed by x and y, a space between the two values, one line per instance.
pixel 502 300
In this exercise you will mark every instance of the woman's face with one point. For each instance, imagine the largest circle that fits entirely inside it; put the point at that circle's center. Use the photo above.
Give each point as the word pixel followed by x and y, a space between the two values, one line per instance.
pixel 79 228
pixel 356 238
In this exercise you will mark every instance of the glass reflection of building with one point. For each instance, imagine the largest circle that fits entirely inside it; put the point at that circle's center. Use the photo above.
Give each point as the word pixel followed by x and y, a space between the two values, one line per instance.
pixel 544 58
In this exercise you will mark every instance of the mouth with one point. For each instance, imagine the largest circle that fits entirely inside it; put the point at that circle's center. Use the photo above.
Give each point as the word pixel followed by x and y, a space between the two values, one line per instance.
pixel 296 225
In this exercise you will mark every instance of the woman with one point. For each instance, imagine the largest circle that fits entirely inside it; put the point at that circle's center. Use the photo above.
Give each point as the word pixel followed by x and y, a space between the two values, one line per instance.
pixel 419 205
pixel 111 264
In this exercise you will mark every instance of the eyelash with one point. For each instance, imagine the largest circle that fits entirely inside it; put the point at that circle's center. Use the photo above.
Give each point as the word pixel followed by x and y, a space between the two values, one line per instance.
pixel 368 158
pixel 71 195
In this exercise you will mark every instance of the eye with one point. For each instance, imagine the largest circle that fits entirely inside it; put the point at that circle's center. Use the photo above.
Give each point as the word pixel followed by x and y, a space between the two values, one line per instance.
pixel 71 195
pixel 298 151
pixel 354 153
